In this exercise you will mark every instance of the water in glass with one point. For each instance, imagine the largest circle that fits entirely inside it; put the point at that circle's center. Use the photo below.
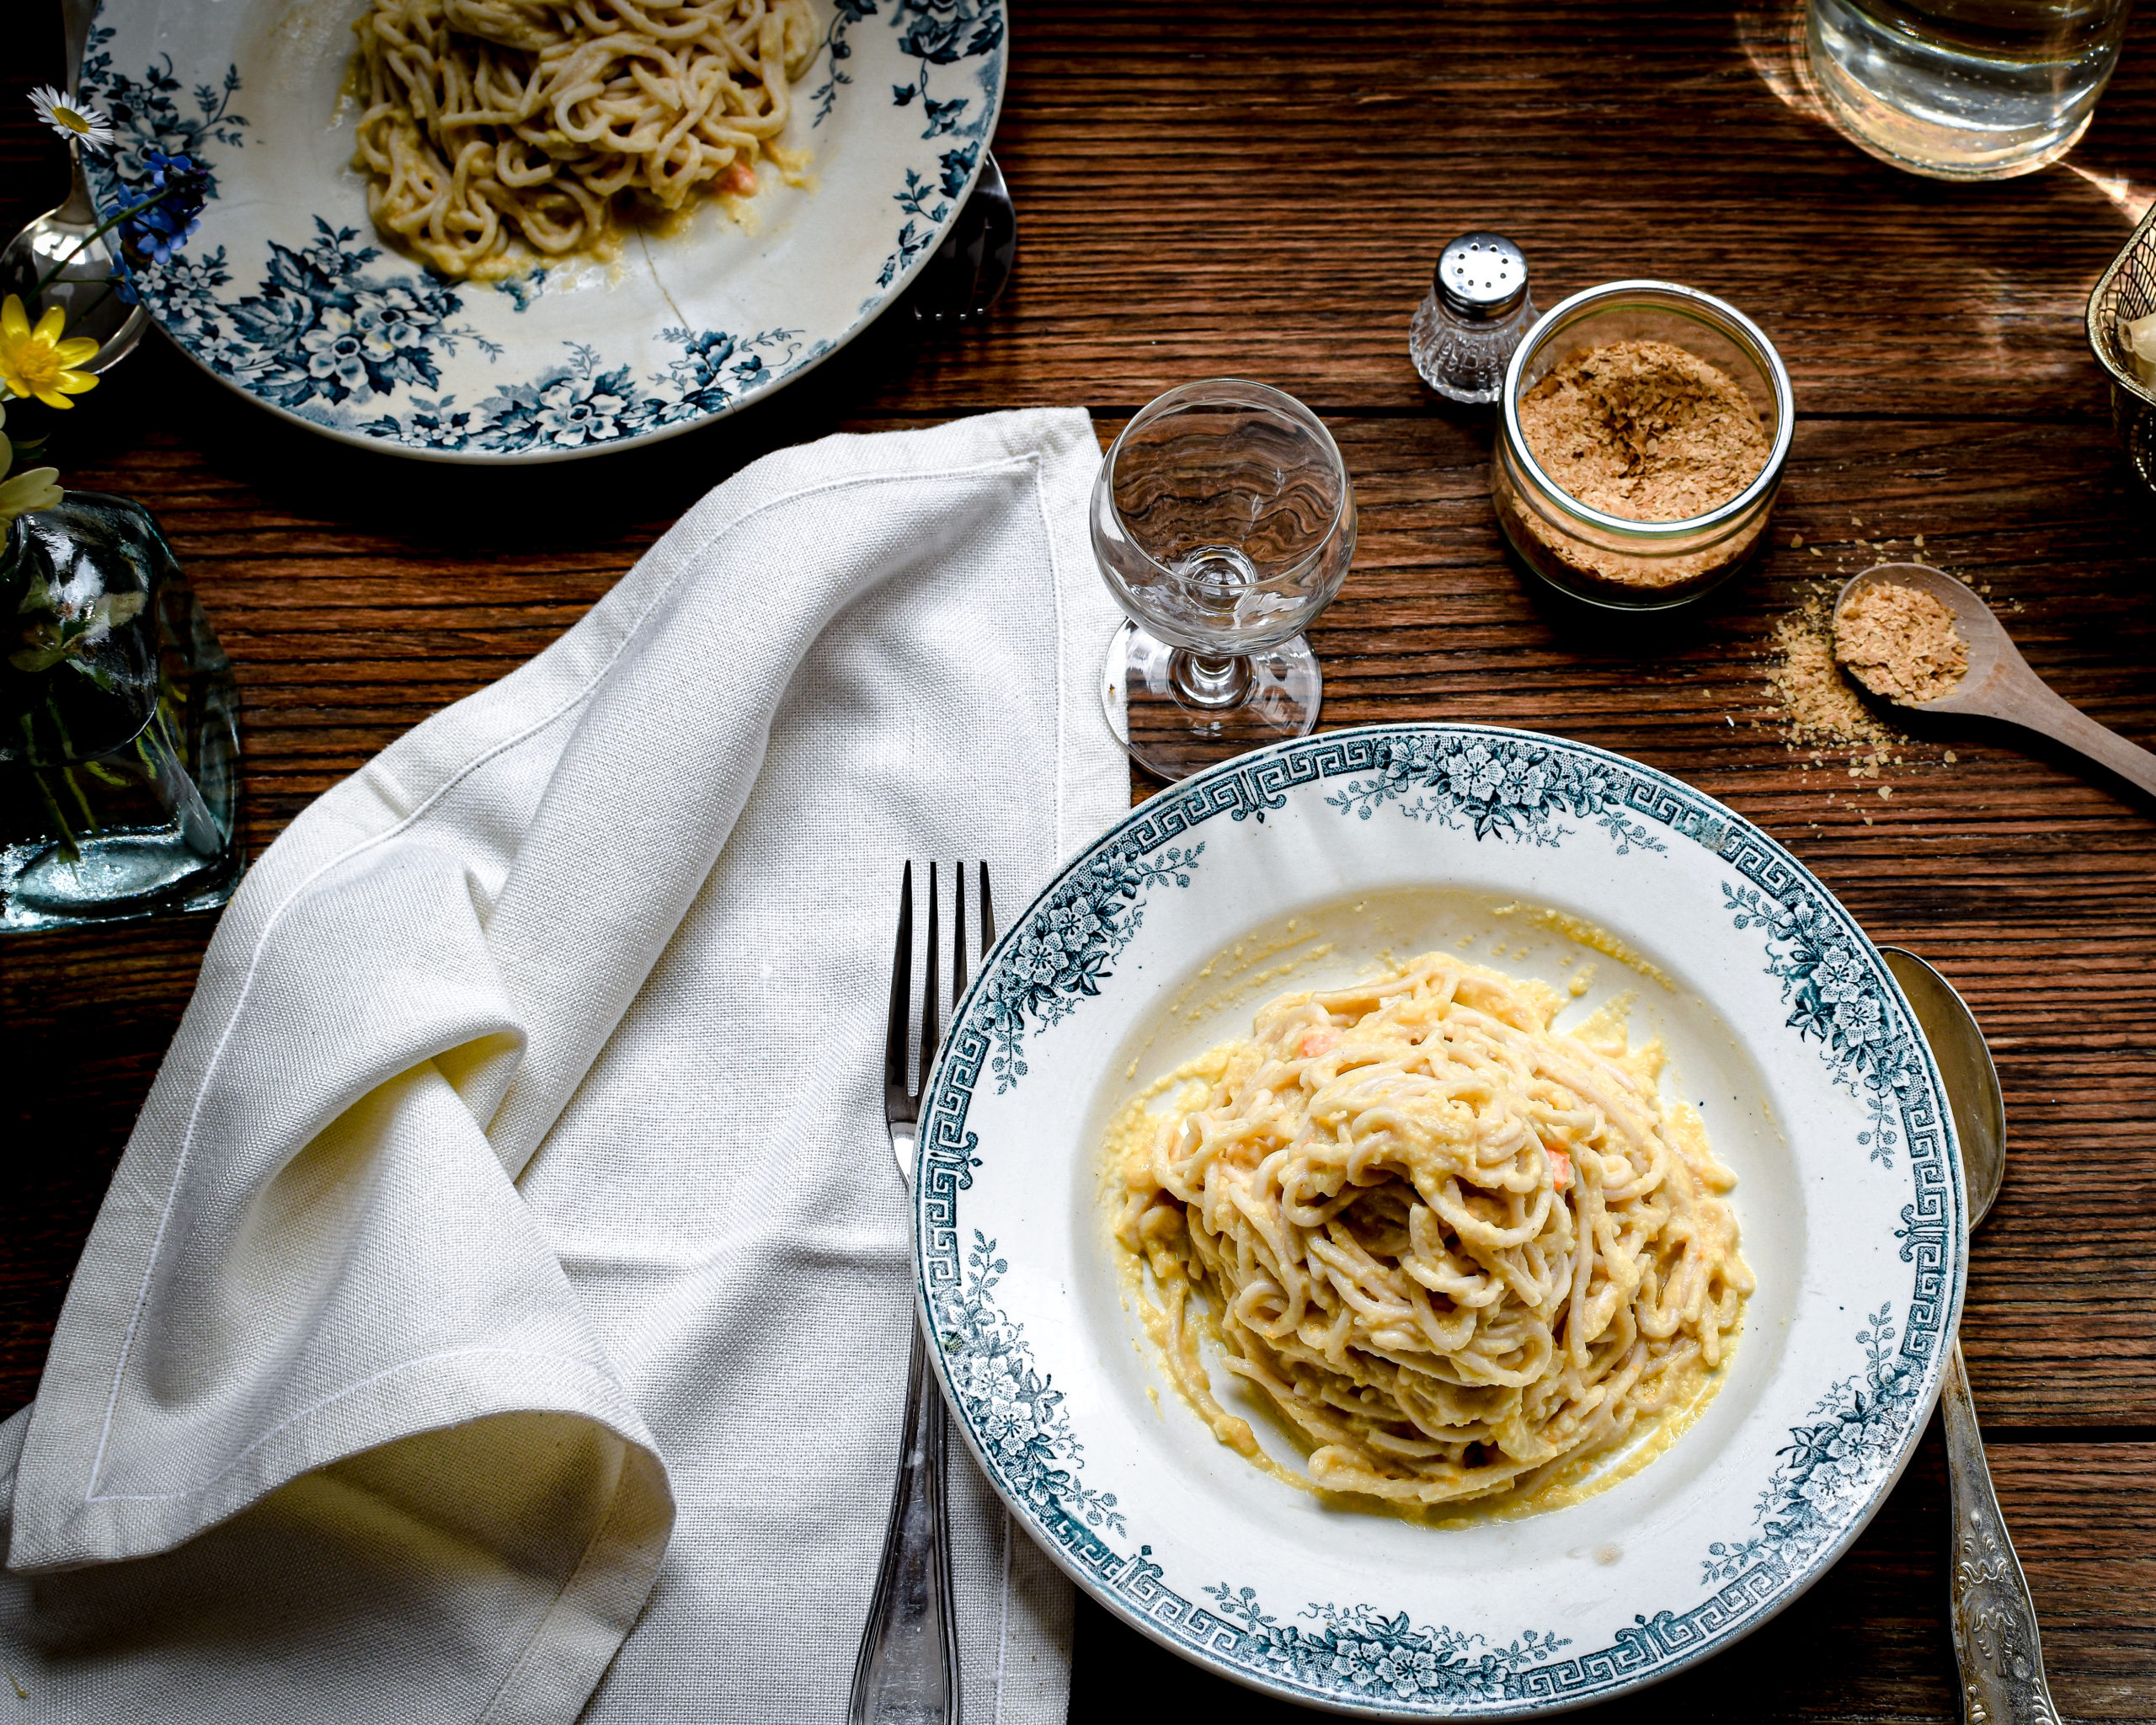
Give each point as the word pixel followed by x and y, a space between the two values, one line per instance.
pixel 1965 89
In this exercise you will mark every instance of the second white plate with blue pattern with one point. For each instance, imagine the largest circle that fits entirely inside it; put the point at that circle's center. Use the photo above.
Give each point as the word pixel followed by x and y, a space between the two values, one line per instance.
pixel 288 295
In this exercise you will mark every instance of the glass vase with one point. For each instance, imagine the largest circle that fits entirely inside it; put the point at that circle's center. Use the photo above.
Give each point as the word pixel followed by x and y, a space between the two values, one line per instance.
pixel 119 724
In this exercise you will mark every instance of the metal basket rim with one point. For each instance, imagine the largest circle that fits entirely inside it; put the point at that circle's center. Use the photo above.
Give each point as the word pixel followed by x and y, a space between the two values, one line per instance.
pixel 2100 339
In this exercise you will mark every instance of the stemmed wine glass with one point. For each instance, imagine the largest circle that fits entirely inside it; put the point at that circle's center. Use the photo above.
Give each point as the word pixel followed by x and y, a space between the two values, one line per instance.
pixel 1223 523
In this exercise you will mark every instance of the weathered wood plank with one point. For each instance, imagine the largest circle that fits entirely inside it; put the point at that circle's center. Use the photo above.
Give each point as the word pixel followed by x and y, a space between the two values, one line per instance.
pixel 1198 194
pixel 1226 188
pixel 2009 868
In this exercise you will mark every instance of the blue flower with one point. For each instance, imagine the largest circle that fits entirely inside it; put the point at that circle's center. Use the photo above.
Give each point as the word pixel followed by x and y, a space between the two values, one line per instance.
pixel 335 351
pixel 438 431
pixel 389 318
pixel 167 224
pixel 325 258
pixel 217 348
pixel 1071 925
pixel 1797 920
pixel 193 282
pixel 1859 1021
pixel 577 411
pixel 1840 976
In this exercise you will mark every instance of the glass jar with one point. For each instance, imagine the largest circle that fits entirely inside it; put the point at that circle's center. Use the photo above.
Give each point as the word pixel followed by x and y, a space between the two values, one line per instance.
pixel 1610 561
pixel 119 724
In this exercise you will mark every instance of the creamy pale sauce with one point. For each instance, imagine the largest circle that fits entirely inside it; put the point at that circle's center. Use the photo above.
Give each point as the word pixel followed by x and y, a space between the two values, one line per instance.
pixel 1136 1126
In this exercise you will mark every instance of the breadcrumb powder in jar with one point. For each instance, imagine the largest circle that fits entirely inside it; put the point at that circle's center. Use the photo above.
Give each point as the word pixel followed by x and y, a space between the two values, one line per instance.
pixel 1646 431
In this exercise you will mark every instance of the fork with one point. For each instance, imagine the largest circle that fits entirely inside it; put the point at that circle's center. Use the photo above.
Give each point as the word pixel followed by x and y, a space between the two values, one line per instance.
pixel 907 1671
pixel 964 274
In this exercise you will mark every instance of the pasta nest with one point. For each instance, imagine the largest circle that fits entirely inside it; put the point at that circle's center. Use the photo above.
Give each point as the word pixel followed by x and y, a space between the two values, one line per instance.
pixel 1453 1249
pixel 488 122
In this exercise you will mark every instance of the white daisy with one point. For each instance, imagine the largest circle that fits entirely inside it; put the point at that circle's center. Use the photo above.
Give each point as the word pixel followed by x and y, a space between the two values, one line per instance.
pixel 79 126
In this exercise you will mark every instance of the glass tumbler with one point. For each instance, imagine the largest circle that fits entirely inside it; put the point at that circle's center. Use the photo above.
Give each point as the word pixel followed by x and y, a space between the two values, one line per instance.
pixel 1964 89
pixel 1223 523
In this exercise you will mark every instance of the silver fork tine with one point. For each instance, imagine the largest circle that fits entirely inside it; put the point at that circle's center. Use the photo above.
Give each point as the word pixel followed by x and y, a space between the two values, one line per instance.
pixel 897 1099
pixel 959 940
pixel 929 995
pixel 987 914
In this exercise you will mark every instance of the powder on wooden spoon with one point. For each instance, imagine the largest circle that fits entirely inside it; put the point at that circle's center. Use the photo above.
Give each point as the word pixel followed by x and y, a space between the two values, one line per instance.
pixel 1817 704
pixel 1900 643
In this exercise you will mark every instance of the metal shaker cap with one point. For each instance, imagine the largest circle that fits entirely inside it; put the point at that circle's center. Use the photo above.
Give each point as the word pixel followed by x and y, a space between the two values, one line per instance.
pixel 1480 275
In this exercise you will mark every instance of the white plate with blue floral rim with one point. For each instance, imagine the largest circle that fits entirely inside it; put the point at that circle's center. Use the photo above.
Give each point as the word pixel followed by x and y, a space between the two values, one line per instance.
pixel 287 293
pixel 1302 865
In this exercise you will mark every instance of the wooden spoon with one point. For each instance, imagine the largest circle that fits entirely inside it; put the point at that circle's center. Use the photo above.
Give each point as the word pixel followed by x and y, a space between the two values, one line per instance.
pixel 1998 683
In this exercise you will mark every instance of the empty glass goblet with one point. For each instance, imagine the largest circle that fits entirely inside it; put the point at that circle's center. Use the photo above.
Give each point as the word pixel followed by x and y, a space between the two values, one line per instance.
pixel 1223 523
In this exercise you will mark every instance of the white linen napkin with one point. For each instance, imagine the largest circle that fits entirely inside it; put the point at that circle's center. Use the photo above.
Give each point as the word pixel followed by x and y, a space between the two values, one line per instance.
pixel 501 1312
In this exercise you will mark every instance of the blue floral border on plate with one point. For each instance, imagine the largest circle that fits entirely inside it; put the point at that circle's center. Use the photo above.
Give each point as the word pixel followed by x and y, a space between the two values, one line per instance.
pixel 1510 786
pixel 328 339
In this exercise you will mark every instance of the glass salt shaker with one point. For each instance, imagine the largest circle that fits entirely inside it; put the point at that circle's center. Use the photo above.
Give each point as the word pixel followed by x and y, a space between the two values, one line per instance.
pixel 1473 316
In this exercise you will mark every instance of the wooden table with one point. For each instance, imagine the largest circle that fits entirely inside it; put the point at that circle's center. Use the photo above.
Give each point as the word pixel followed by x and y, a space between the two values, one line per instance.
pixel 1253 189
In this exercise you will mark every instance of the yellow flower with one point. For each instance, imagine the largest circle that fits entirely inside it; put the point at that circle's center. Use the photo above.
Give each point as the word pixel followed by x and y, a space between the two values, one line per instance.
pixel 28 491
pixel 37 361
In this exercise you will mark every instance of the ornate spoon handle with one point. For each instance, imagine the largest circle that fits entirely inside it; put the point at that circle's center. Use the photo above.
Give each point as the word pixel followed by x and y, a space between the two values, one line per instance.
pixel 76 18
pixel 908 1670
pixel 1995 1635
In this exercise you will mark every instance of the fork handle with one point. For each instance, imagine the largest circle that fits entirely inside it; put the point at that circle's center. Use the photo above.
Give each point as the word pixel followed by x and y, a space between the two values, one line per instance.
pixel 907 1673
pixel 1994 1619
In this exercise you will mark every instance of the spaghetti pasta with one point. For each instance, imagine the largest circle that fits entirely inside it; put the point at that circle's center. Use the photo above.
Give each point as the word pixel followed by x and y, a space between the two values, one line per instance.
pixel 492 123
pixel 1453 1248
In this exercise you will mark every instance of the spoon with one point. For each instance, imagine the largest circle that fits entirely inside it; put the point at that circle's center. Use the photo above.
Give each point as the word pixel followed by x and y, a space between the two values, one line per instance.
pixel 82 284
pixel 961 280
pixel 1998 683
pixel 1995 1635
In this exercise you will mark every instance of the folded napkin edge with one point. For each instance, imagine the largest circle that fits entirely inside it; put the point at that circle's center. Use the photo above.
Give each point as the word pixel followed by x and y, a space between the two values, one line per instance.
pixel 436 1392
